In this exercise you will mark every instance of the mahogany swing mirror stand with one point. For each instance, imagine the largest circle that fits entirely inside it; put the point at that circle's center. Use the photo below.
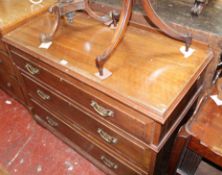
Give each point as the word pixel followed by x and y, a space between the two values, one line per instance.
pixel 67 8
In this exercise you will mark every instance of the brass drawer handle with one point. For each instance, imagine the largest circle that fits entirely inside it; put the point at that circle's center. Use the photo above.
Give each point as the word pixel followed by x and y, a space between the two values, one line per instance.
pixel 101 110
pixel 42 95
pixel 107 137
pixel 108 162
pixel 31 69
pixel 51 122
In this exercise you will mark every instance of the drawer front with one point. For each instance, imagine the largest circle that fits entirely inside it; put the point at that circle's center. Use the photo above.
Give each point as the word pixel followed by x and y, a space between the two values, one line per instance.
pixel 5 63
pixel 93 101
pixel 80 139
pixel 10 85
pixel 123 143
pixel 2 46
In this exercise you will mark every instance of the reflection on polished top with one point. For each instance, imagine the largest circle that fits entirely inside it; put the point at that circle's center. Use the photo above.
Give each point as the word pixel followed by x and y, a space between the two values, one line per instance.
pixel 147 67
pixel 14 12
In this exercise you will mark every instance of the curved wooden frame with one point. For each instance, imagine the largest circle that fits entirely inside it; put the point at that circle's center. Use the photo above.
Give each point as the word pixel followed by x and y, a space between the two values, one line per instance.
pixel 64 7
pixel 155 19
pixel 67 7
pixel 103 19
pixel 119 34
pixel 48 37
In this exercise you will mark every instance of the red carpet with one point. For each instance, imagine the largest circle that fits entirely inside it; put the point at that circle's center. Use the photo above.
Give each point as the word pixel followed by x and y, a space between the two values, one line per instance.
pixel 28 149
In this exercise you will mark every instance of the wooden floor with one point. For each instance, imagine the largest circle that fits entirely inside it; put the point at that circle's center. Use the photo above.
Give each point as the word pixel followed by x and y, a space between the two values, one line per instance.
pixel 28 149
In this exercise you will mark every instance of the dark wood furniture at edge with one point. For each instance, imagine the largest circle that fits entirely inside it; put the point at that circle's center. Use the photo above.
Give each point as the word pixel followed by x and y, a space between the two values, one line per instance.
pixel 199 138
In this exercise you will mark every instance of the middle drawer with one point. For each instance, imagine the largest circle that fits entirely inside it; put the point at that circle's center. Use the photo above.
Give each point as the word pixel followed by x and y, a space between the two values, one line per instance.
pixel 125 144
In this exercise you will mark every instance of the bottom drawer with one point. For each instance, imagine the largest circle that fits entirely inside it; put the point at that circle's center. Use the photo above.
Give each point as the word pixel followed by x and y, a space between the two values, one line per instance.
pixel 79 139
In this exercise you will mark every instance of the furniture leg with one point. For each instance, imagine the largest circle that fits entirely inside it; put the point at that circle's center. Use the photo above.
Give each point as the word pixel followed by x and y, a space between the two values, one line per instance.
pixel 179 146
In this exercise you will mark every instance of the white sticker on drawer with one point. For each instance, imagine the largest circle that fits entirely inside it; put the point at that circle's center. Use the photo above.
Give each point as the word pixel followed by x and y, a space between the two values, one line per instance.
pixel 185 53
pixel 45 45
pixel 106 74
pixel 216 100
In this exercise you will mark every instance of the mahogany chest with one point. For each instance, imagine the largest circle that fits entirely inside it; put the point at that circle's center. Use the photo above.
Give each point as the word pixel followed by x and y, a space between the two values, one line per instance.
pixel 121 123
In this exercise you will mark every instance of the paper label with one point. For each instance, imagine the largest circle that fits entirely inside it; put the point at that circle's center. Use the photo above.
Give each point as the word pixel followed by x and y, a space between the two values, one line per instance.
pixel 216 100
pixel 45 45
pixel 188 53
pixel 109 22
pixel 106 74
pixel 113 27
pixel 63 62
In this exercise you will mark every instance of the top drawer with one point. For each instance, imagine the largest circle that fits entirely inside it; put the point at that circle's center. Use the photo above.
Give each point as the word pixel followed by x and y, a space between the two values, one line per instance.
pixel 90 99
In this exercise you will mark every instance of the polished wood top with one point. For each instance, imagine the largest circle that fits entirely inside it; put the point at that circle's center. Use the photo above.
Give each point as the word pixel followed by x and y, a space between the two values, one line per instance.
pixel 148 71
pixel 14 12
pixel 207 125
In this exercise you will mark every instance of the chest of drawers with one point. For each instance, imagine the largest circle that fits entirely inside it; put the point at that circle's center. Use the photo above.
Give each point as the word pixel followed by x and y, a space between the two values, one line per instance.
pixel 121 123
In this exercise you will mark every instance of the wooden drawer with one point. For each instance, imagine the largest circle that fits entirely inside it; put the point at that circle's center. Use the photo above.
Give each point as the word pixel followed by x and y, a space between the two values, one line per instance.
pixel 2 46
pixel 6 82
pixel 91 100
pixel 10 85
pixel 81 140
pixel 5 63
pixel 115 138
